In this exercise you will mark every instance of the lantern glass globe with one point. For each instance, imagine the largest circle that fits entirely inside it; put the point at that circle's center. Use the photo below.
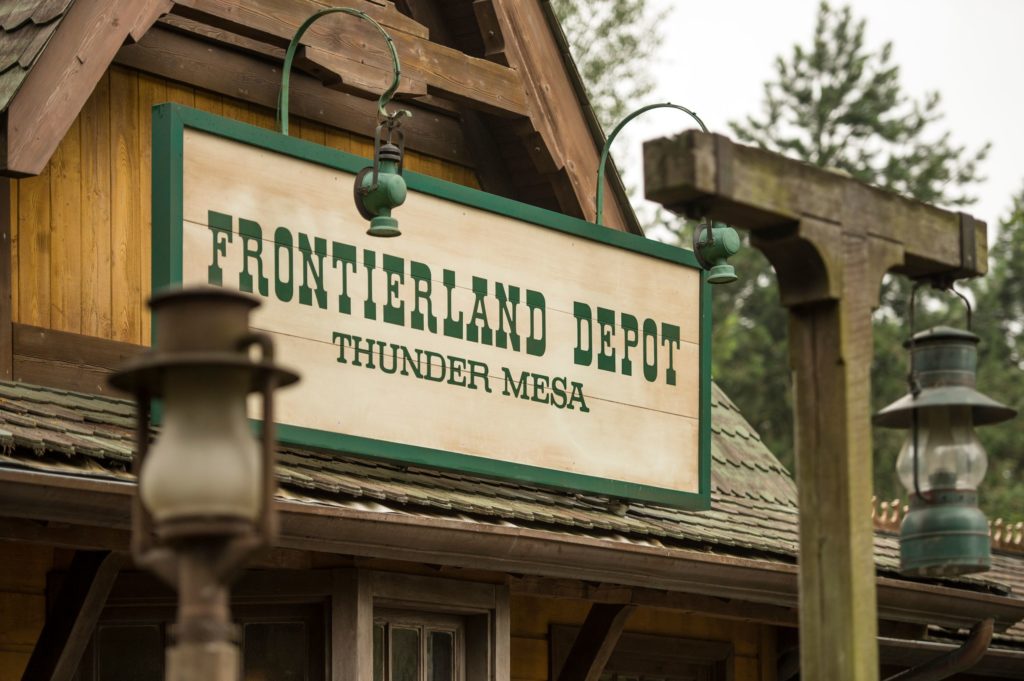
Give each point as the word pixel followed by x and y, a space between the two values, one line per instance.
pixel 206 463
pixel 951 456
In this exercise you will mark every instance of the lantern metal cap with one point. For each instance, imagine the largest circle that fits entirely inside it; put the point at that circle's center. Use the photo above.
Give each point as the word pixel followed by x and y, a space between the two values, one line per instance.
pixel 940 334
pixel 222 338
pixel 984 409
pixel 944 362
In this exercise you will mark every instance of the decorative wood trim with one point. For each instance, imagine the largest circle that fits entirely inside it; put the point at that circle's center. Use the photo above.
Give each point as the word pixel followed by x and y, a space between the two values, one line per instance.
pixel 73 618
pixel 428 539
pixel 345 48
pixel 65 74
pixel 224 69
pixel 595 642
pixel 6 282
pixel 68 361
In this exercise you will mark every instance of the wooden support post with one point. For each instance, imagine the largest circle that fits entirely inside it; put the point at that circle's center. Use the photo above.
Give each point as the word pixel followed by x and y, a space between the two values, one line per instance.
pixel 6 281
pixel 830 239
pixel 71 621
pixel 595 642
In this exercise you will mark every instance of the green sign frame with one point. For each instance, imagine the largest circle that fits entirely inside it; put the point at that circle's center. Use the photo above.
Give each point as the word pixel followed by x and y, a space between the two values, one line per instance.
pixel 169 124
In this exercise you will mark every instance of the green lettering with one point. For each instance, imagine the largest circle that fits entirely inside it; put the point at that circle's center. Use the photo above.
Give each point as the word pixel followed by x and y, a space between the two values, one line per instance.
pixel 369 263
pixel 605 331
pixel 315 270
pixel 650 358
pixel 535 344
pixel 421 276
pixel 394 274
pixel 508 302
pixel 252 249
pixel 582 356
pixel 346 255
pixel 476 333
pixel 220 231
pixel 577 396
pixel 283 242
pixel 670 335
pixel 631 338
pixel 452 326
pixel 518 390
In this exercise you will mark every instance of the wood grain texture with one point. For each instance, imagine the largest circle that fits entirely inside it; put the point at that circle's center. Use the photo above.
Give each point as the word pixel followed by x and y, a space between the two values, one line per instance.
pixel 7 274
pixel 94 127
pixel 445 71
pixel 66 230
pixel 34 249
pixel 595 642
pixel 625 411
pixel 152 91
pixel 244 78
pixel 126 228
pixel 76 611
pixel 65 74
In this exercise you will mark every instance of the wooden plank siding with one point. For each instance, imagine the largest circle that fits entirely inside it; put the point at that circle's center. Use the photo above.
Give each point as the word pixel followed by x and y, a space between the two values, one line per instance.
pixel 22 602
pixel 532 617
pixel 80 232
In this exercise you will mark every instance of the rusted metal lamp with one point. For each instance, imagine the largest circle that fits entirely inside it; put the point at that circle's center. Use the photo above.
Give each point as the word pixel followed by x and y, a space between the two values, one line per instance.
pixel 378 188
pixel 206 485
pixel 942 462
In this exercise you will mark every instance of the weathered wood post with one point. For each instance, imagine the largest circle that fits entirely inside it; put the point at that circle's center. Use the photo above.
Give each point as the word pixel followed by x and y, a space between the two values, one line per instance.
pixel 830 239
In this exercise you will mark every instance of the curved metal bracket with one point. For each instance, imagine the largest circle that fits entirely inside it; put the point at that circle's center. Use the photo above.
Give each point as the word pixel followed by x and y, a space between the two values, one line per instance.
pixel 611 138
pixel 385 98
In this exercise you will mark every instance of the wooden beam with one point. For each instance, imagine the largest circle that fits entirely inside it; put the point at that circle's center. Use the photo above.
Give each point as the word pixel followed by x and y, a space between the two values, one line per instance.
pixel 6 281
pixel 65 74
pixel 557 135
pixel 73 618
pixel 689 603
pixel 699 172
pixel 68 361
pixel 345 46
pixel 224 69
pixel 830 239
pixel 595 642
pixel 486 156
pixel 440 541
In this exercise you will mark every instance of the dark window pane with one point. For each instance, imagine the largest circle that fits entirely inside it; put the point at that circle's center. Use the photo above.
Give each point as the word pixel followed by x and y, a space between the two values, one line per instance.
pixel 129 653
pixel 441 656
pixel 275 651
pixel 378 652
pixel 405 654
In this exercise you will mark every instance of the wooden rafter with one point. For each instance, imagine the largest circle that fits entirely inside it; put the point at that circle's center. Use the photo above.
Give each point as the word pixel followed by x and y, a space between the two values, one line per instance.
pixel 595 642
pixel 351 50
pixel 64 76
pixel 69 626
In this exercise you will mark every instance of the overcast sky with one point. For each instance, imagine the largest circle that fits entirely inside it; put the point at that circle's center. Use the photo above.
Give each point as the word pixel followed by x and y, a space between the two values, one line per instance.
pixel 718 53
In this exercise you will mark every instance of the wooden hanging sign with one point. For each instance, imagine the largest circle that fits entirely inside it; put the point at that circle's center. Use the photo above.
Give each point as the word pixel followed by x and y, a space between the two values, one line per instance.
pixel 492 337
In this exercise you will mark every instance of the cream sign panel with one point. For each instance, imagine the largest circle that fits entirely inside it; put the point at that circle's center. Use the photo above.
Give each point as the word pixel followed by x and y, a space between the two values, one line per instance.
pixel 490 337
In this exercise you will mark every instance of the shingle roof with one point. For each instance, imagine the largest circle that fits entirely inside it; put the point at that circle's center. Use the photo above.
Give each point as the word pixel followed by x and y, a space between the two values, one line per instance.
pixel 754 503
pixel 25 28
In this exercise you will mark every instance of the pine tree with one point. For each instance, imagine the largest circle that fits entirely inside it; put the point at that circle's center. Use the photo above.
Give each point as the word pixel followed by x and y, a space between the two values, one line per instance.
pixel 835 103
pixel 610 41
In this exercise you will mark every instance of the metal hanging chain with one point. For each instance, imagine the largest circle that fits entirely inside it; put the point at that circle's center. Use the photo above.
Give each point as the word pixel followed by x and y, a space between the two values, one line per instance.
pixel 389 120
pixel 611 138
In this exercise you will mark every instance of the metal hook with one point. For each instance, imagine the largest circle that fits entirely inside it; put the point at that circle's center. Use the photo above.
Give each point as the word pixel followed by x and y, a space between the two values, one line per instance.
pixel 391 119
pixel 611 138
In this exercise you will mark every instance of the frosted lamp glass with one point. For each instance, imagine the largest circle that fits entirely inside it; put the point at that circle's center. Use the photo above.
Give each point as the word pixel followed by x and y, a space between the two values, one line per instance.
pixel 205 461
pixel 951 456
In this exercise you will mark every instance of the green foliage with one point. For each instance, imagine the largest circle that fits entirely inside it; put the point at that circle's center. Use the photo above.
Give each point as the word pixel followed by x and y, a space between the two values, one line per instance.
pixel 835 103
pixel 610 40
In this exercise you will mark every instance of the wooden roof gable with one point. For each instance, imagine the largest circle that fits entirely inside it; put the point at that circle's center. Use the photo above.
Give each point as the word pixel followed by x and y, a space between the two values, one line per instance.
pixel 498 71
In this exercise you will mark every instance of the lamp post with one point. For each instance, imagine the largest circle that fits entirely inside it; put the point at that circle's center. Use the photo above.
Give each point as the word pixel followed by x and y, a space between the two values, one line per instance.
pixel 942 461
pixel 206 484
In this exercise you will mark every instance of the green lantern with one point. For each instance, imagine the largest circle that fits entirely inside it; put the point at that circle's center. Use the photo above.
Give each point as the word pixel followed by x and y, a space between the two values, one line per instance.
pixel 381 188
pixel 713 247
pixel 942 461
